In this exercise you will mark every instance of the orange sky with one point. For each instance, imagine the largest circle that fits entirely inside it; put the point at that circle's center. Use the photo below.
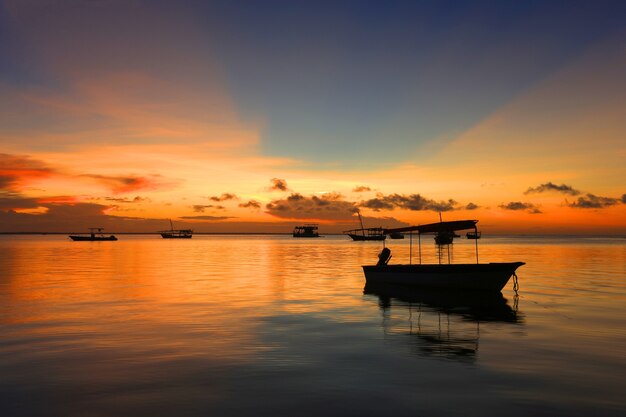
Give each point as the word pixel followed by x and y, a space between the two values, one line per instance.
pixel 161 120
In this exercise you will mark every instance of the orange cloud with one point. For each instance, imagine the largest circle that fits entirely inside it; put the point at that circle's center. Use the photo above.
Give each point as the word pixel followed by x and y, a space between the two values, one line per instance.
pixel 15 170
pixel 128 184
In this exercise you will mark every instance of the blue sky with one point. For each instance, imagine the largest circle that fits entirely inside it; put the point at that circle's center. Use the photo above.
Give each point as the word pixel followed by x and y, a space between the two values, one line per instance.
pixel 344 81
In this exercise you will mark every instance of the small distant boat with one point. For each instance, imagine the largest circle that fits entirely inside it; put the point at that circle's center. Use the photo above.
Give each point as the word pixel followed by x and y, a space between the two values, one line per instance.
pixel 176 233
pixel 307 230
pixel 396 235
pixel 370 233
pixel 444 236
pixel 478 276
pixel 472 235
pixel 95 235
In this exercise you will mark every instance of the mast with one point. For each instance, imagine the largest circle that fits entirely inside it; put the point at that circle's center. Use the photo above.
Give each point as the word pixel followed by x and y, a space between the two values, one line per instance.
pixel 361 220
pixel 171 225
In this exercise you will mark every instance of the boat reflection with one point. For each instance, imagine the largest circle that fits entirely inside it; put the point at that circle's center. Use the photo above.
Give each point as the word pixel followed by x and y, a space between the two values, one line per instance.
pixel 438 323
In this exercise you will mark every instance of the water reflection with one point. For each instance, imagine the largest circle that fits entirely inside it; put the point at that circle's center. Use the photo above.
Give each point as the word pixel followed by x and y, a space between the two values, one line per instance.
pixel 439 323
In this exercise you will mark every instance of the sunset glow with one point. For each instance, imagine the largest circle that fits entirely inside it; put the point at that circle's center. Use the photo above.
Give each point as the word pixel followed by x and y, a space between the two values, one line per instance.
pixel 237 117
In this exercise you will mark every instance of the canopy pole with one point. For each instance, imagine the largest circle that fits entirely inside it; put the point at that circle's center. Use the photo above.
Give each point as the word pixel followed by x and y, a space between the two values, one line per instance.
pixel 476 241
pixel 410 248
pixel 419 244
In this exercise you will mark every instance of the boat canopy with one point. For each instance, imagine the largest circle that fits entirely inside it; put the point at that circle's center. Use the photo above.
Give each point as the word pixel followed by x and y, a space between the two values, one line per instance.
pixel 437 227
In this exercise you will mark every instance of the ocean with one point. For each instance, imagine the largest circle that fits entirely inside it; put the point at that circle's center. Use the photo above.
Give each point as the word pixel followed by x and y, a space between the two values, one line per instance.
pixel 260 325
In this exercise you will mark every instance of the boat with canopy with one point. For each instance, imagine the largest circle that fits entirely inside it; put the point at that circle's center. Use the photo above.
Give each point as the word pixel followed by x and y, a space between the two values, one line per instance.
pixel 467 276
pixel 95 235
pixel 307 230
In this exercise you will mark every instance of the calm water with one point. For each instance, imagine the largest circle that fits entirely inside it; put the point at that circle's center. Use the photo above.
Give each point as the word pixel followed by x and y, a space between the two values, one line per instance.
pixel 271 325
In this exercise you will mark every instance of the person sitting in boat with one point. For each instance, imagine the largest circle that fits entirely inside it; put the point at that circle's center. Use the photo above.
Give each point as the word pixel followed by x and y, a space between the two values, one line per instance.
pixel 383 257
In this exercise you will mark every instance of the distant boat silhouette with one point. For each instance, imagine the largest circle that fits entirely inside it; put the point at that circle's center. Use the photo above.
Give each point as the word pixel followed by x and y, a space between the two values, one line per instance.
pixel 176 233
pixel 370 233
pixel 445 236
pixel 95 235
pixel 307 230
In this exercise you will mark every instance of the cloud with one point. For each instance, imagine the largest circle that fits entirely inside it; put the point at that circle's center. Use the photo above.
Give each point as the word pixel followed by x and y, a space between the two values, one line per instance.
pixel 207 218
pixel 137 199
pixel 549 186
pixel 414 202
pixel 129 183
pixel 330 206
pixel 58 199
pixel 14 201
pixel 72 217
pixel 224 197
pixel 471 206
pixel 278 185
pixel 200 208
pixel 15 169
pixel 518 205
pixel 361 189
pixel 594 201
pixel 251 204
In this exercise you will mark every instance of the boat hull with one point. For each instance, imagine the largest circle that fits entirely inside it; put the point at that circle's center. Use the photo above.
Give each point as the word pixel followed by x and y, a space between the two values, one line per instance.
pixel 93 239
pixel 366 237
pixel 482 277
pixel 171 236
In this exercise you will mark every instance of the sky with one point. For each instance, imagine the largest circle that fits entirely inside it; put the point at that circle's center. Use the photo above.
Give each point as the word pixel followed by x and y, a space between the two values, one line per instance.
pixel 255 116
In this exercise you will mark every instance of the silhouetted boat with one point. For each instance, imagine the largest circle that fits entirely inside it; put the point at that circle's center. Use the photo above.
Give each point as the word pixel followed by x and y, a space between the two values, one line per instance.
pixel 370 233
pixel 396 235
pixel 95 235
pixel 483 277
pixel 176 233
pixel 444 236
pixel 307 230
pixel 472 235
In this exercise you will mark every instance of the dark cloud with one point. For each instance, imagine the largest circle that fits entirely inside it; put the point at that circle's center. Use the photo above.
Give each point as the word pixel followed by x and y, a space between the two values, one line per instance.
pixel 223 197
pixel 278 184
pixel 329 206
pixel 471 206
pixel 594 201
pixel 78 217
pixel 414 202
pixel 200 208
pixel 549 186
pixel 14 201
pixel 518 205
pixel 208 218
pixel 361 189
pixel 60 217
pixel 251 204
pixel 137 199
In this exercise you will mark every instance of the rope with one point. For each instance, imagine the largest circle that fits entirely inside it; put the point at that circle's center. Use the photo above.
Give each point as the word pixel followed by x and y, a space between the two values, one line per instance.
pixel 516 296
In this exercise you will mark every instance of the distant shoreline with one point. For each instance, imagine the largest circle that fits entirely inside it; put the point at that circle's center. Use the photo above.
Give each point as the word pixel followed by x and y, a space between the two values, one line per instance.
pixel 494 235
